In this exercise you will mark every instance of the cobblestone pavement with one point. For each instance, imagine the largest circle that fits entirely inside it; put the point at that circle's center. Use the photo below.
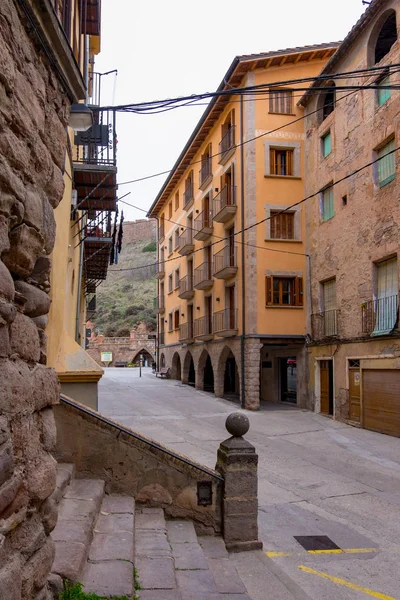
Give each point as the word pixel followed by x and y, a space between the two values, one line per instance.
pixel 317 477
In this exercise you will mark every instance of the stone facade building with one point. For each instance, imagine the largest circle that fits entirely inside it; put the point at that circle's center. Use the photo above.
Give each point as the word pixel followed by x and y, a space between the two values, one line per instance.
pixel 39 80
pixel 141 342
pixel 352 228
pixel 232 303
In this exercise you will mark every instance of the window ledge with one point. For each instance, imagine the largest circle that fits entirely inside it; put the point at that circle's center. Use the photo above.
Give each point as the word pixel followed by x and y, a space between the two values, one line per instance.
pixel 289 114
pixel 283 176
pixel 283 240
pixel 327 220
pixel 283 306
pixel 386 181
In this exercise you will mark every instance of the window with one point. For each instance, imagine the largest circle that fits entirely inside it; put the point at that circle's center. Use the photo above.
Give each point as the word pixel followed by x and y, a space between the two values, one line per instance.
pixel 176 236
pixel 386 38
pixel 344 200
pixel 176 278
pixel 282 225
pixel 170 210
pixel 281 162
pixel 383 95
pixel 169 283
pixel 280 101
pixel 176 200
pixel 170 245
pixel 328 208
pixel 326 141
pixel 170 322
pixel 326 102
pixel 189 190
pixel 176 319
pixel 387 164
pixel 329 300
pixel 284 291
pixel 386 297
pixel 206 167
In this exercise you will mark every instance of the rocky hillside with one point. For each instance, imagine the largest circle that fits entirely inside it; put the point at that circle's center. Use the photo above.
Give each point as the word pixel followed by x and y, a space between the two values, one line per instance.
pixel 126 297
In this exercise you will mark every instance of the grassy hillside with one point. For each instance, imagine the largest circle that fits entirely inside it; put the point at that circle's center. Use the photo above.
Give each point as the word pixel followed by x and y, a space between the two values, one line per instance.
pixel 126 298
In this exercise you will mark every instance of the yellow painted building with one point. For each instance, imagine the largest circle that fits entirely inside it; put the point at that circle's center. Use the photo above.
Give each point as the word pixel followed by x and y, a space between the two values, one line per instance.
pixel 84 218
pixel 231 298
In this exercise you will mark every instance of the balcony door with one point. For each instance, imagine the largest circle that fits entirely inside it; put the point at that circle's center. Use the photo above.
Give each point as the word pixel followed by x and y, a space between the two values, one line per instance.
pixel 206 211
pixel 386 301
pixel 231 247
pixel 227 184
pixel 208 313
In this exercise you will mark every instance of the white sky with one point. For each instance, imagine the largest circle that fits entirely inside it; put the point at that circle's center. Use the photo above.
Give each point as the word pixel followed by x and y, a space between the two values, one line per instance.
pixel 164 49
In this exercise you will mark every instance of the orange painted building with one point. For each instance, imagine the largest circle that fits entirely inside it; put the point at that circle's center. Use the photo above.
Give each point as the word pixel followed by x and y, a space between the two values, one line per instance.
pixel 231 297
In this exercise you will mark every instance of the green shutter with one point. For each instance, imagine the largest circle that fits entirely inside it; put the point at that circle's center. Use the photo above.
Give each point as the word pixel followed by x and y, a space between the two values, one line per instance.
pixel 383 95
pixel 328 209
pixel 327 144
pixel 387 164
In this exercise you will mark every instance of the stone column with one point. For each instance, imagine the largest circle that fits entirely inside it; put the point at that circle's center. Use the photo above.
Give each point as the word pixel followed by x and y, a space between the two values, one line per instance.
pixel 237 462
pixel 252 373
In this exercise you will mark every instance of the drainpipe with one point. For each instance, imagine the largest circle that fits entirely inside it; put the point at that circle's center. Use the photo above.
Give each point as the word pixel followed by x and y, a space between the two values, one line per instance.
pixel 158 285
pixel 242 348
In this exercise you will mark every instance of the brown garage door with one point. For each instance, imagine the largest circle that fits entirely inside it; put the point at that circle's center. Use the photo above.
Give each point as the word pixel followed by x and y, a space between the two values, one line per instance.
pixel 381 401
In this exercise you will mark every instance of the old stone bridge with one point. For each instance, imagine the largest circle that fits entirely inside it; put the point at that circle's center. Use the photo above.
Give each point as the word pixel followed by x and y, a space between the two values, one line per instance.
pixel 123 349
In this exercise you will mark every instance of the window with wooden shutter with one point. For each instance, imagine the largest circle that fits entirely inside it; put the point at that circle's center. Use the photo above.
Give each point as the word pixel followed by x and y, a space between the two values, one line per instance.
pixel 284 291
pixel 281 162
pixel 282 225
pixel 280 101
pixel 170 322
pixel 176 319
pixel 386 164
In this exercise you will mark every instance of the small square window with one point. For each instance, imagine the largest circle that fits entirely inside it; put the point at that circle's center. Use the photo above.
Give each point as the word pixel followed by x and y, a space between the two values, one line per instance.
pixel 344 200
pixel 326 144
pixel 281 162
pixel 328 208
pixel 383 95
pixel 386 164
pixel 280 101
pixel 282 225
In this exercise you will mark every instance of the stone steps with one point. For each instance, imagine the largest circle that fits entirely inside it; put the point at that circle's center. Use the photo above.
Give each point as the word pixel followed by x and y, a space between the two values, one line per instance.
pixel 173 563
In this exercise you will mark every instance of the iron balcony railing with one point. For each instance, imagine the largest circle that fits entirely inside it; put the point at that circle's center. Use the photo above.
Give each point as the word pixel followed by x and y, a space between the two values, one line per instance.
pixel 206 170
pixel 186 331
pixel 227 143
pixel 202 273
pixel 226 197
pixel 161 338
pixel 203 326
pixel 161 232
pixel 225 320
pixel 204 219
pixel 185 285
pixel 98 145
pixel 225 258
pixel 185 238
pixel 325 324
pixel 159 302
pixel 380 315
pixel 188 195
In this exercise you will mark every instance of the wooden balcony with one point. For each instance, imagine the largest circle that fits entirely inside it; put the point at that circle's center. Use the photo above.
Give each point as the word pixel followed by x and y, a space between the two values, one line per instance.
pixel 224 204
pixel 186 245
pixel 186 333
pixel 227 146
pixel 325 325
pixel 225 263
pixel 203 328
pixel 203 225
pixel 380 315
pixel 159 304
pixel 205 173
pixel 203 277
pixel 225 323
pixel 160 272
pixel 186 291
pixel 96 254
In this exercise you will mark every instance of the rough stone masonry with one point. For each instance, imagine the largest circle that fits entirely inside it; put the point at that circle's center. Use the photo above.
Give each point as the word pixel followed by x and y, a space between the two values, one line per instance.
pixel 33 118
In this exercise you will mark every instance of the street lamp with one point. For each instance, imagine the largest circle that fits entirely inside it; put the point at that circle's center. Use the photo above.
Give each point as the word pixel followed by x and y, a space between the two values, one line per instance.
pixel 140 364
pixel 80 117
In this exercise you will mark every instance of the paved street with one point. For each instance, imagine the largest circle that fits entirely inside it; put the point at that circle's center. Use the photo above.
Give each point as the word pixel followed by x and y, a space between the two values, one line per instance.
pixel 316 477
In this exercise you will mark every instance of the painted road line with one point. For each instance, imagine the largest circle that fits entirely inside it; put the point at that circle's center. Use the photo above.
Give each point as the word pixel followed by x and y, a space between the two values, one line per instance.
pixel 334 551
pixel 348 584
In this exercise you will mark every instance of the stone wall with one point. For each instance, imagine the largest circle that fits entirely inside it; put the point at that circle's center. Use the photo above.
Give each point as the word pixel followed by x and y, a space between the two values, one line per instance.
pixel 33 117
pixel 141 229
pixel 124 349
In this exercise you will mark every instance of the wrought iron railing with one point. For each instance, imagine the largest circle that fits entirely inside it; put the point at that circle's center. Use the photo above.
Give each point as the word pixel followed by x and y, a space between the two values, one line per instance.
pixel 380 315
pixel 227 143
pixel 185 285
pixel 225 258
pixel 225 320
pixel 206 170
pixel 204 219
pixel 186 331
pixel 202 273
pixel 185 238
pixel 159 302
pixel 226 197
pixel 188 195
pixel 203 326
pixel 98 145
pixel 325 324
pixel 161 232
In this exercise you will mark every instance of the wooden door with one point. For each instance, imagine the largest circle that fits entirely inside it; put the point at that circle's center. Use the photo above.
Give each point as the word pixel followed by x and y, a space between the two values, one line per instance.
pixel 326 382
pixel 354 393
pixel 381 400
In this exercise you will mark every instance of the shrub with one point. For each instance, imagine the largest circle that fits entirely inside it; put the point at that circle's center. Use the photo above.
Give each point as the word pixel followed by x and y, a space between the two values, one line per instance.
pixel 151 247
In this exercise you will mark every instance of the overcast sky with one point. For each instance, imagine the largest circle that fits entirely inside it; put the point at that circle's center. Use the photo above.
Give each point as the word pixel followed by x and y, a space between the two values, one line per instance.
pixel 165 49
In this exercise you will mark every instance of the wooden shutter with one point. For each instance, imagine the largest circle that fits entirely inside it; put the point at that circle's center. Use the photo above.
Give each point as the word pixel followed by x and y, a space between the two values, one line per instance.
pixel 272 161
pixel 268 290
pixel 298 291
pixel 289 162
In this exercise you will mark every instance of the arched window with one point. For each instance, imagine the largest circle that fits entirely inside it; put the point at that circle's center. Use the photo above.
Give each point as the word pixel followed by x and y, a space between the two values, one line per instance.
pixel 386 37
pixel 326 103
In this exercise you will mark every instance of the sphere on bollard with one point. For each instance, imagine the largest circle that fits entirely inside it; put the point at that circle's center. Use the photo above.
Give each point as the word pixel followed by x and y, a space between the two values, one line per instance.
pixel 237 424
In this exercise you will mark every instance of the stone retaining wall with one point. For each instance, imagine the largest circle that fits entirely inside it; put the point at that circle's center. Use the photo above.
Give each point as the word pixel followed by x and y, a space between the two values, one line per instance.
pixel 33 116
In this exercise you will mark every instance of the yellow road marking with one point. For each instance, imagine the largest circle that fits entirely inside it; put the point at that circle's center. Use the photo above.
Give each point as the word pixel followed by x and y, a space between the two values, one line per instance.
pixel 335 551
pixel 348 584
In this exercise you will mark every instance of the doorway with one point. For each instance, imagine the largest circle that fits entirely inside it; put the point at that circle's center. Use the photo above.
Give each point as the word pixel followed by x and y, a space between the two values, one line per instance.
pixel 354 390
pixel 326 382
pixel 288 370
pixel 231 377
pixel 208 376
pixel 192 373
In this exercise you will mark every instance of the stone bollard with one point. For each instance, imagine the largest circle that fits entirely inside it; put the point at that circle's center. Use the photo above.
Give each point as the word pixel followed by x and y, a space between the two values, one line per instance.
pixel 237 463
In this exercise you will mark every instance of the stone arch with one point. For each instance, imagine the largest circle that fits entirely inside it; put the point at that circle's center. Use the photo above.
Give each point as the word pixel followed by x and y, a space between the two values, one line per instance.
pixel 227 380
pixel 176 371
pixel 146 356
pixel 382 38
pixel 205 373
pixel 188 371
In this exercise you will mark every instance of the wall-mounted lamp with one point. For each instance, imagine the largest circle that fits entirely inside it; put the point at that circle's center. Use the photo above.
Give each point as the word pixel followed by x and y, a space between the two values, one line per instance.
pixel 216 189
pixel 198 307
pixel 197 212
pixel 217 299
pixel 165 321
pixel 182 315
pixel 80 117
